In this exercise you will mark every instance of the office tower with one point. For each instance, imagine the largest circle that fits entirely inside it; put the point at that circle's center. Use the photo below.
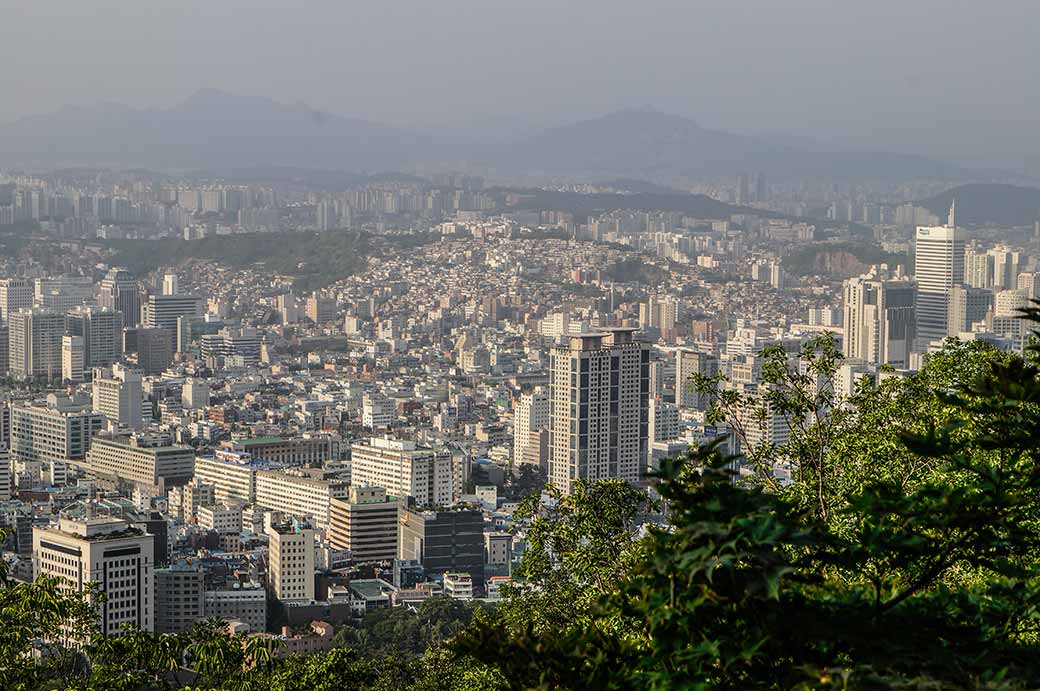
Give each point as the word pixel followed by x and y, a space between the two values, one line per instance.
pixel 968 305
pixel 52 432
pixel 232 347
pixel 301 493
pixel 169 284
pixel 117 394
pixel 366 523
pixel 532 415
pixel 761 188
pixel 743 190
pixel 5 352
pixel 180 597
pixel 939 266
pixel 321 309
pixel 119 292
pixel 444 541
pixel 664 421
pixel 1007 303
pixel 879 319
pixel 34 349
pixel 599 408
pixel 73 359
pixel 291 562
pixel 433 477
pixel 101 330
pixel 15 294
pixel 141 461
pixel 110 552
pixel 162 311
pixel 154 350
pixel 687 364
pixel 63 293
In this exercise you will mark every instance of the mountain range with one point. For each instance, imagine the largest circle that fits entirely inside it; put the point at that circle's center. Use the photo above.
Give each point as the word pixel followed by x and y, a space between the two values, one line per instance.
pixel 216 129
pixel 988 204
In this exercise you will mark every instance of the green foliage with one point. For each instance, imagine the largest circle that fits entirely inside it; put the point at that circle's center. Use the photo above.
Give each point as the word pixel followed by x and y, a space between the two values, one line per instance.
pixel 400 631
pixel 316 259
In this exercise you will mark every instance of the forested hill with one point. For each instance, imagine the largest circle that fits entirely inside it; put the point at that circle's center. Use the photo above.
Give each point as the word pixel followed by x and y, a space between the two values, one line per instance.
pixel 988 204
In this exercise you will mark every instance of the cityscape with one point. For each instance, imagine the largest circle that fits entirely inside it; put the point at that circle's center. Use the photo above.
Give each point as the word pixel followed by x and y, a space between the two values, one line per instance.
pixel 626 404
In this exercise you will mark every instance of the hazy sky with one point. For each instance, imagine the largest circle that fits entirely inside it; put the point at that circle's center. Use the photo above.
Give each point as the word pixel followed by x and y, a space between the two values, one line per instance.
pixel 923 75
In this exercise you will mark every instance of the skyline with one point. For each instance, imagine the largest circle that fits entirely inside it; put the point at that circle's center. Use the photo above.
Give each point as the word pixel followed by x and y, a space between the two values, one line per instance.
pixel 864 78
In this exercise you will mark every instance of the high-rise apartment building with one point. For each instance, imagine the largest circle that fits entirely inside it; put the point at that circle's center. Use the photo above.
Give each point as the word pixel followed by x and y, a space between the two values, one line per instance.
pixel 366 523
pixel 291 562
pixel 5 473
pixel 34 344
pixel 119 292
pixel 110 552
pixel 599 387
pixel 433 477
pixel 938 267
pixel 687 364
pixel 879 321
pixel 531 415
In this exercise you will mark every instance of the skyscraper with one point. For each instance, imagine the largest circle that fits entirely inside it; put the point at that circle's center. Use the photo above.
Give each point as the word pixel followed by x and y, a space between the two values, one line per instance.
pixel 34 344
pixel 938 267
pixel 599 386
pixel 117 394
pixel 162 311
pixel 879 318
pixel 119 292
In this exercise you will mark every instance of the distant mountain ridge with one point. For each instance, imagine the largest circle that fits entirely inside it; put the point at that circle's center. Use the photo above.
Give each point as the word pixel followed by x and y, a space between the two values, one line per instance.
pixel 210 129
pixel 645 142
pixel 981 204
pixel 215 129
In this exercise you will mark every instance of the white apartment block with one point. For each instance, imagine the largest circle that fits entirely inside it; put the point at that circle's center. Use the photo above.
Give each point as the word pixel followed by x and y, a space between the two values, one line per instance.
pixel 433 477
pixel 297 493
pixel 141 461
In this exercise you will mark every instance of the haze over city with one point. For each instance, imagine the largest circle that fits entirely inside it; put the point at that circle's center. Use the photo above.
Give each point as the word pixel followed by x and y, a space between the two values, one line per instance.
pixel 928 76
pixel 485 346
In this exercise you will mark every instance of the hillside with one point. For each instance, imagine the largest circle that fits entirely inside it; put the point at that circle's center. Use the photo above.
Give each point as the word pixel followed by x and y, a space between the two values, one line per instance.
pixel 843 260
pixel 985 204
pixel 315 259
